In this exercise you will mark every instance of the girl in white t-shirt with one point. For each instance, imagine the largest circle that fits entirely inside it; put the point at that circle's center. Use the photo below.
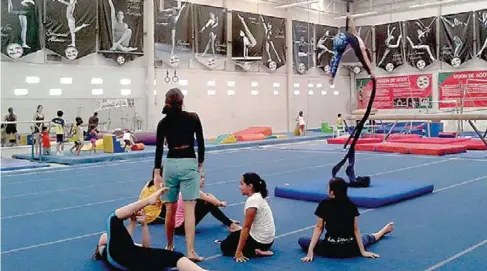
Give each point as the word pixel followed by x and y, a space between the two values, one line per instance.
pixel 301 123
pixel 258 232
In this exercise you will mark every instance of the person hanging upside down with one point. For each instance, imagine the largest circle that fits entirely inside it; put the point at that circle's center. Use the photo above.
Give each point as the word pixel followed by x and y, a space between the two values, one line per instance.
pixel 341 41
pixel 258 233
pixel 339 216
pixel 117 248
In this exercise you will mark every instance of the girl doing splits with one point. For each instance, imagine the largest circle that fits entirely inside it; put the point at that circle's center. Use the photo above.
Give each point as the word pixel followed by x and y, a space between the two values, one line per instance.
pixel 340 43
pixel 117 248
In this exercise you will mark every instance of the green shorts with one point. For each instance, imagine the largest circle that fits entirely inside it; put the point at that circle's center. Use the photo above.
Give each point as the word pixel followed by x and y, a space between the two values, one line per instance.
pixel 182 175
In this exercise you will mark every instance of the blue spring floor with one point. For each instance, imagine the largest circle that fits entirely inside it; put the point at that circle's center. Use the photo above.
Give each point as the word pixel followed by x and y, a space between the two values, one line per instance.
pixel 10 164
pixel 51 219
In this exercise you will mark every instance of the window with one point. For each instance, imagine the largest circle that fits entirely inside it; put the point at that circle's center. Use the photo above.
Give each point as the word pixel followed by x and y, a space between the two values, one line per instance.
pixel 183 82
pixel 125 82
pixel 230 92
pixel 96 81
pixel 21 92
pixel 125 92
pixel 254 92
pixel 32 79
pixel 211 83
pixel 66 80
pixel 231 83
pixel 55 92
pixel 211 92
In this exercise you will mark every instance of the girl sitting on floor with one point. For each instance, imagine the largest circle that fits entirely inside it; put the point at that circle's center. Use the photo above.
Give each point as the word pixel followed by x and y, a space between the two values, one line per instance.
pixel 339 215
pixel 155 213
pixel 207 203
pixel 258 232
pixel 117 248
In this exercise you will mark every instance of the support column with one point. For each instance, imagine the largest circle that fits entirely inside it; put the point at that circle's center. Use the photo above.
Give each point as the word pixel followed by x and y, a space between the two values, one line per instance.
pixel 151 99
pixel 290 70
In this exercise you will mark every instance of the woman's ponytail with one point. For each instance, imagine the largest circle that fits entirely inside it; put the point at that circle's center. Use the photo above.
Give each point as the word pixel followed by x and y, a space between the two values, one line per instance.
pixel 257 183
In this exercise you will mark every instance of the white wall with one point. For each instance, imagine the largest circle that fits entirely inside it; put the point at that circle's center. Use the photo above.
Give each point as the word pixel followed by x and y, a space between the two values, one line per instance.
pixel 220 113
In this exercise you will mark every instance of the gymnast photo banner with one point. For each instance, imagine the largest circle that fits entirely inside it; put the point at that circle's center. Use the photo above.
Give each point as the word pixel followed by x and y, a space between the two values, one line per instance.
pixel 456 38
pixel 20 27
pixel 349 58
pixel 121 28
pixel 420 43
pixel 303 46
pixel 173 32
pixel 389 46
pixel 70 27
pixel 247 39
pixel 397 92
pixel 210 27
pixel 274 44
pixel 467 88
pixel 481 34
pixel 324 45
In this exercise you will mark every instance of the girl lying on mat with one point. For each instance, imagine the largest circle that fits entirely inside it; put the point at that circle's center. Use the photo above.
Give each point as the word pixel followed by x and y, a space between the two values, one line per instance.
pixel 117 248
pixel 339 216
pixel 207 203
pixel 258 232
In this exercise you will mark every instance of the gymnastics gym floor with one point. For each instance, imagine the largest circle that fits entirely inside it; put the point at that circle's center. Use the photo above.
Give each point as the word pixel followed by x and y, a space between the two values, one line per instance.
pixel 52 218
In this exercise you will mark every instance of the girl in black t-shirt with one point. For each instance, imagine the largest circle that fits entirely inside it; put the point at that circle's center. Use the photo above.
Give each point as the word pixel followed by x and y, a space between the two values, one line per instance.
pixel 339 216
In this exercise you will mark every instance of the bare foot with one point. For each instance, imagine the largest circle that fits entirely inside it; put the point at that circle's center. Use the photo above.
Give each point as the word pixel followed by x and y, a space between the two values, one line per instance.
pixel 263 253
pixel 387 228
pixel 194 257
pixel 234 227
pixel 155 197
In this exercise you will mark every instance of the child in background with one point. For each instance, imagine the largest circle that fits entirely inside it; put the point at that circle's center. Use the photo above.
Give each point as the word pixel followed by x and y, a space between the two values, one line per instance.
pixel 46 141
pixel 127 138
pixel 77 136
pixel 301 123
pixel 59 124
pixel 93 135
pixel 339 124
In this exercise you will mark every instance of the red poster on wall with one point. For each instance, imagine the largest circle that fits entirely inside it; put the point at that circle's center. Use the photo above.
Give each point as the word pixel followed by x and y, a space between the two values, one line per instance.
pixel 397 92
pixel 463 88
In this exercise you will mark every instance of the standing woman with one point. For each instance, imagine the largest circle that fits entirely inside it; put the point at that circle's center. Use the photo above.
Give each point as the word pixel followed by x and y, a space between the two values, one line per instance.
pixel 37 128
pixel 183 172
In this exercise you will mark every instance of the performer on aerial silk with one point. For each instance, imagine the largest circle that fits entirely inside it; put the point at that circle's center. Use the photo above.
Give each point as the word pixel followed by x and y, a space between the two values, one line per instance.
pixel 342 40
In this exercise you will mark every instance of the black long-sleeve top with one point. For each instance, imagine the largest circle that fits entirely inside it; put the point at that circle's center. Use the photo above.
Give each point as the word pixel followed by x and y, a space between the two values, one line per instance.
pixel 179 130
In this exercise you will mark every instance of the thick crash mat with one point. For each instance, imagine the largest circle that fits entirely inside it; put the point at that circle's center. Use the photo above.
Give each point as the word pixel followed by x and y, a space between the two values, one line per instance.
pixel 250 137
pixel 412 148
pixel 447 134
pixel 266 131
pixel 342 140
pixel 430 140
pixel 474 144
pixel 379 193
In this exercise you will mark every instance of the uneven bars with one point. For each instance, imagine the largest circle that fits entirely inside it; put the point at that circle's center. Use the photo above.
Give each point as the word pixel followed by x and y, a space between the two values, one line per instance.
pixel 422 117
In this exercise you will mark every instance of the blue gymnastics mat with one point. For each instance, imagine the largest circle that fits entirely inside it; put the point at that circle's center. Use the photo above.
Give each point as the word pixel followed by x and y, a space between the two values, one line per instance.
pixel 9 164
pixel 380 192
pixel 86 158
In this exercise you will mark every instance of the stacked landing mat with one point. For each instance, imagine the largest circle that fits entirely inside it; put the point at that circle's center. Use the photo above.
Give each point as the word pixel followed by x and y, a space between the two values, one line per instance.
pixel 253 134
pixel 380 193
pixel 425 146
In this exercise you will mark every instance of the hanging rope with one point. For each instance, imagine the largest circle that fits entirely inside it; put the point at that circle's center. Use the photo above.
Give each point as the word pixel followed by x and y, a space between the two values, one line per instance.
pixel 361 181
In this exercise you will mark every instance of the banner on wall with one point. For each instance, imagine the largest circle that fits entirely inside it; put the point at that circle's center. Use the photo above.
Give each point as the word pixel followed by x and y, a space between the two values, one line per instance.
pixel 324 46
pixel 121 29
pixel 481 34
pixel 210 36
pixel 20 27
pixel 397 92
pixel 173 32
pixel 456 38
pixel 421 42
pixel 302 46
pixel 389 46
pixel 247 39
pixel 71 28
pixel 274 45
pixel 349 58
pixel 468 88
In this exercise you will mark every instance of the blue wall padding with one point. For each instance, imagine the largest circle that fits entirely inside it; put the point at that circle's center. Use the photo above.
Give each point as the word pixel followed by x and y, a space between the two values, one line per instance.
pixel 380 192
